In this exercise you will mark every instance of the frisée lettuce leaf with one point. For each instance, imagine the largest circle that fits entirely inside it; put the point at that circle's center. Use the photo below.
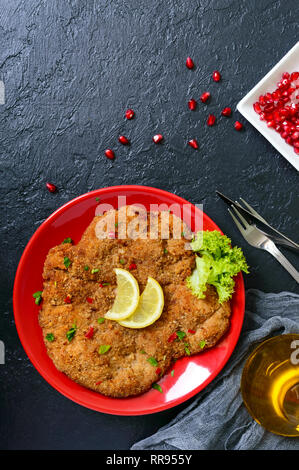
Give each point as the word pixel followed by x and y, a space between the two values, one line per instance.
pixel 216 263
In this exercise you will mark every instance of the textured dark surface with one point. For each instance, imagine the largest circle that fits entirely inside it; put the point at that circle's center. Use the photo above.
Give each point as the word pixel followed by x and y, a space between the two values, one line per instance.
pixel 71 69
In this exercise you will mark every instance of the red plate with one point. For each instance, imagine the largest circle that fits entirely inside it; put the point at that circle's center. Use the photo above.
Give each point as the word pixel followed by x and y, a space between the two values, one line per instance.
pixel 191 374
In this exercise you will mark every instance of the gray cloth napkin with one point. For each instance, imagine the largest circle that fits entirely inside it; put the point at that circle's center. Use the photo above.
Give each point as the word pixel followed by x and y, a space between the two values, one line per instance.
pixel 217 418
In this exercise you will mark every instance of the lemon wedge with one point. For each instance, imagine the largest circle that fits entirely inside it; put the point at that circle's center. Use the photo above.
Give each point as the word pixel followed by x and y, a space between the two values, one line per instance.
pixel 127 296
pixel 149 308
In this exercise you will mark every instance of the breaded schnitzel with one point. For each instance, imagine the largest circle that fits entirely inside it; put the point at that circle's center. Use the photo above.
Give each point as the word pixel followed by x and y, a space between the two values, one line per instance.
pixel 79 288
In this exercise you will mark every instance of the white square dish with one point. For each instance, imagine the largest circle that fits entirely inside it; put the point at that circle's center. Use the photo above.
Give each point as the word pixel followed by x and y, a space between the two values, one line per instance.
pixel 289 63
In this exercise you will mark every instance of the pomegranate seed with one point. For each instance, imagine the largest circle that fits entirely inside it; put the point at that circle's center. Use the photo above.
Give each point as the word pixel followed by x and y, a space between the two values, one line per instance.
pixel 296 150
pixel 101 285
pixel 211 120
pixel 296 144
pixel 295 135
pixel 123 140
pixel 99 382
pixel 89 300
pixel 286 75
pixel 158 138
pixel 172 337
pixel 158 371
pixel 51 187
pixel 216 76
pixel 262 100
pixel 205 96
pixel 294 76
pixel 238 126
pixel 110 154
pixel 193 143
pixel 189 63
pixel 89 333
pixel 192 332
pixel 132 266
pixel 271 123
pixel 227 111
pixel 130 114
pixel 67 300
pixel 192 104
pixel 257 107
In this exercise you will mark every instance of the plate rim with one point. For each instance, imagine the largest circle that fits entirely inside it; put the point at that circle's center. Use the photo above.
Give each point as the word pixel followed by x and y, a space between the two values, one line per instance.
pixel 163 406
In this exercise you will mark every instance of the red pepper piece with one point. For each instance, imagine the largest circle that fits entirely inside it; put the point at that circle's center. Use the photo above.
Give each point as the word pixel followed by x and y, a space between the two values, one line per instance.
pixel 89 300
pixel 132 266
pixel 192 332
pixel 101 285
pixel 67 300
pixel 89 333
pixel 99 382
pixel 172 337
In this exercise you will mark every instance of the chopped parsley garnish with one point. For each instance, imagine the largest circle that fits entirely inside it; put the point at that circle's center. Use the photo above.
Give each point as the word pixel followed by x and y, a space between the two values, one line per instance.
pixel 202 344
pixel 122 261
pixel 71 333
pixel 93 271
pixel 116 224
pixel 104 348
pixel 183 234
pixel 67 240
pixel 67 262
pixel 181 335
pixel 165 251
pixel 152 361
pixel 100 320
pixel 187 350
pixel 37 296
pixel 97 199
pixel 142 351
pixel 105 283
pixel 172 373
pixel 86 268
pixel 157 387
pixel 50 337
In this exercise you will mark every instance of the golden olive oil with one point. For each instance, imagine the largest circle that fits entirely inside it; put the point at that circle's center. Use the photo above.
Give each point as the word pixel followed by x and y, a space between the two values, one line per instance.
pixel 270 384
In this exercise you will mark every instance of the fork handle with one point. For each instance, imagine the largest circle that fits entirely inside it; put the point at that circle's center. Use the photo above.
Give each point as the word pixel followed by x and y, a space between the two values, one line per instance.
pixel 283 261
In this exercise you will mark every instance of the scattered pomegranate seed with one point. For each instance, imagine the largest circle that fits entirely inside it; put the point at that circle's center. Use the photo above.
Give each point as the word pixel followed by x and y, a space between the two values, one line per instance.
pixel 193 143
pixel 89 333
pixel 132 266
pixel 101 285
pixel 211 120
pixel 226 111
pixel 172 337
pixel 192 332
pixel 238 125
pixel 99 382
pixel 189 63
pixel 89 300
pixel 67 300
pixel 192 104
pixel 130 114
pixel 205 96
pixel 123 140
pixel 110 154
pixel 216 76
pixel 51 187
pixel 158 371
pixel 157 138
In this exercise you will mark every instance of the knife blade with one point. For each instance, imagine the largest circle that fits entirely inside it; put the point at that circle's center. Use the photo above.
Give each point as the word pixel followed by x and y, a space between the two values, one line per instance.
pixel 260 223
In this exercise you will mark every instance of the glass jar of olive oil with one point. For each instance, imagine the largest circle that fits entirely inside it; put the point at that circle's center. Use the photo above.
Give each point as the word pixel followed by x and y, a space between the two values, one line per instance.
pixel 270 384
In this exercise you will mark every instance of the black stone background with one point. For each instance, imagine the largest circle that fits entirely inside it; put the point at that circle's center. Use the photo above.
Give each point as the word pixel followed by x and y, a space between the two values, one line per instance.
pixel 71 69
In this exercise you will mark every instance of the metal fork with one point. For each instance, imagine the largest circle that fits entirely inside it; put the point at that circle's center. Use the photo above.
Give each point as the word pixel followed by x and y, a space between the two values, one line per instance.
pixel 280 240
pixel 255 237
